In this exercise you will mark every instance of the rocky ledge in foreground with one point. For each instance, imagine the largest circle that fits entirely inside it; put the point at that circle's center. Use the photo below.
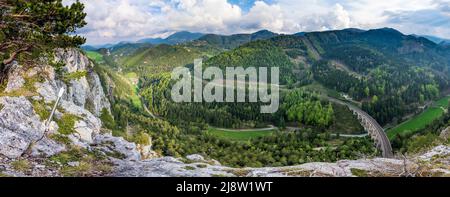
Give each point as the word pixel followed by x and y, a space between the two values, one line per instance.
pixel 121 158
pixel 433 163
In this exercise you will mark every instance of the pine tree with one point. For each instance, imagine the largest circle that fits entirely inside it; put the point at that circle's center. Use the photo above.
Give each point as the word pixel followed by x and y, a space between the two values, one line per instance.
pixel 31 29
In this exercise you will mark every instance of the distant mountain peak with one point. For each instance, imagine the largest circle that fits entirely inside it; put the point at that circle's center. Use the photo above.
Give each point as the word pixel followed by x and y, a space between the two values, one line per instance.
pixel 263 31
pixel 235 40
pixel 356 30
pixel 387 30
pixel 183 36
pixel 263 34
pixel 152 41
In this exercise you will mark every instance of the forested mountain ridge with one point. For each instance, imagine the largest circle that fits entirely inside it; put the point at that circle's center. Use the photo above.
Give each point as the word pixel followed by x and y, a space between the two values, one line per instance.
pixel 400 48
pixel 394 69
pixel 233 41
pixel 176 38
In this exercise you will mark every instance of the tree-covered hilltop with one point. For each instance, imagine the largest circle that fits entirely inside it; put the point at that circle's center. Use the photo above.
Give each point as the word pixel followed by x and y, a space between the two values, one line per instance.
pixel 161 58
pixel 256 54
pixel 233 41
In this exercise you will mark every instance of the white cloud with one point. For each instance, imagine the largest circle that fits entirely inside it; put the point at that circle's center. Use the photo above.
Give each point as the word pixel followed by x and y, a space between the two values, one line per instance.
pixel 200 15
pixel 118 20
pixel 262 16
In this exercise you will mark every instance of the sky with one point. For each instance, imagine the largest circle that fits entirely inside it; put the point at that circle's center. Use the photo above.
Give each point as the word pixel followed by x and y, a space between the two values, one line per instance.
pixel 112 21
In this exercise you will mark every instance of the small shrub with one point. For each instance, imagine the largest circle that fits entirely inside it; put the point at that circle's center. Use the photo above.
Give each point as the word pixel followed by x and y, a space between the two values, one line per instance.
pixel 30 81
pixel 423 142
pixel 119 133
pixel 74 154
pixel 3 85
pixel 90 162
pixel 83 169
pixel 60 138
pixel 66 124
pixel 299 173
pixel 359 172
pixel 189 168
pixel 67 77
pixel 40 110
pixel 201 166
pixel 239 172
pixel 20 165
pixel 107 119
pixel 58 66
pixel 116 154
pixel 141 138
pixel 3 175
pixel 104 168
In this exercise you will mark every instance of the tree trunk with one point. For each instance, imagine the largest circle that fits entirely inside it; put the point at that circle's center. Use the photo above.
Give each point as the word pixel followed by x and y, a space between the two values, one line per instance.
pixel 4 71
pixel 13 55
pixel 6 64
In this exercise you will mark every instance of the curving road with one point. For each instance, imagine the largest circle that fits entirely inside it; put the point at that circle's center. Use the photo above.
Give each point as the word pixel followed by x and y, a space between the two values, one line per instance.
pixel 375 131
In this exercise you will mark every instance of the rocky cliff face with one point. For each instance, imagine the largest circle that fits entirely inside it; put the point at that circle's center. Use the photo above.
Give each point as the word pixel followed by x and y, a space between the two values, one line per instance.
pixel 30 95
pixel 74 144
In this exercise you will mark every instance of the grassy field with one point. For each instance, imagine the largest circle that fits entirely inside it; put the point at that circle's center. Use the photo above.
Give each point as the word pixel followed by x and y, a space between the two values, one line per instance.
pixel 422 120
pixel 97 57
pixel 132 79
pixel 239 135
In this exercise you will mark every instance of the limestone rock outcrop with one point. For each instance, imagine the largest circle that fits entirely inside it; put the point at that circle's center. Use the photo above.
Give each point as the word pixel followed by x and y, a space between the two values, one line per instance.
pixel 435 162
pixel 21 127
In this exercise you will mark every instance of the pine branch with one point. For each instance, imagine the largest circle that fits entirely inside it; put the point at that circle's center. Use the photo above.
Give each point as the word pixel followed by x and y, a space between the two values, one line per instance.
pixel 14 55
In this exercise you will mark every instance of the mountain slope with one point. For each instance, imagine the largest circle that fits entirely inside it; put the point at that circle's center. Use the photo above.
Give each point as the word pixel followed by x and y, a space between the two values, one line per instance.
pixel 176 38
pixel 183 37
pixel 162 58
pixel 233 41
pixel 394 45
pixel 437 40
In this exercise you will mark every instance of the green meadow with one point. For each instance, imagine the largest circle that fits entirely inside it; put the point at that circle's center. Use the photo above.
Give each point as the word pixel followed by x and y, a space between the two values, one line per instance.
pixel 97 57
pixel 239 135
pixel 422 120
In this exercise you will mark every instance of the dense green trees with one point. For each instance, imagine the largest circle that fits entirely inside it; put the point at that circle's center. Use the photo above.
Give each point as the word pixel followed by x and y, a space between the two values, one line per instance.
pixel 156 92
pixel 358 58
pixel 387 92
pixel 338 79
pixel 176 137
pixel 281 149
pixel 256 54
pixel 306 108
